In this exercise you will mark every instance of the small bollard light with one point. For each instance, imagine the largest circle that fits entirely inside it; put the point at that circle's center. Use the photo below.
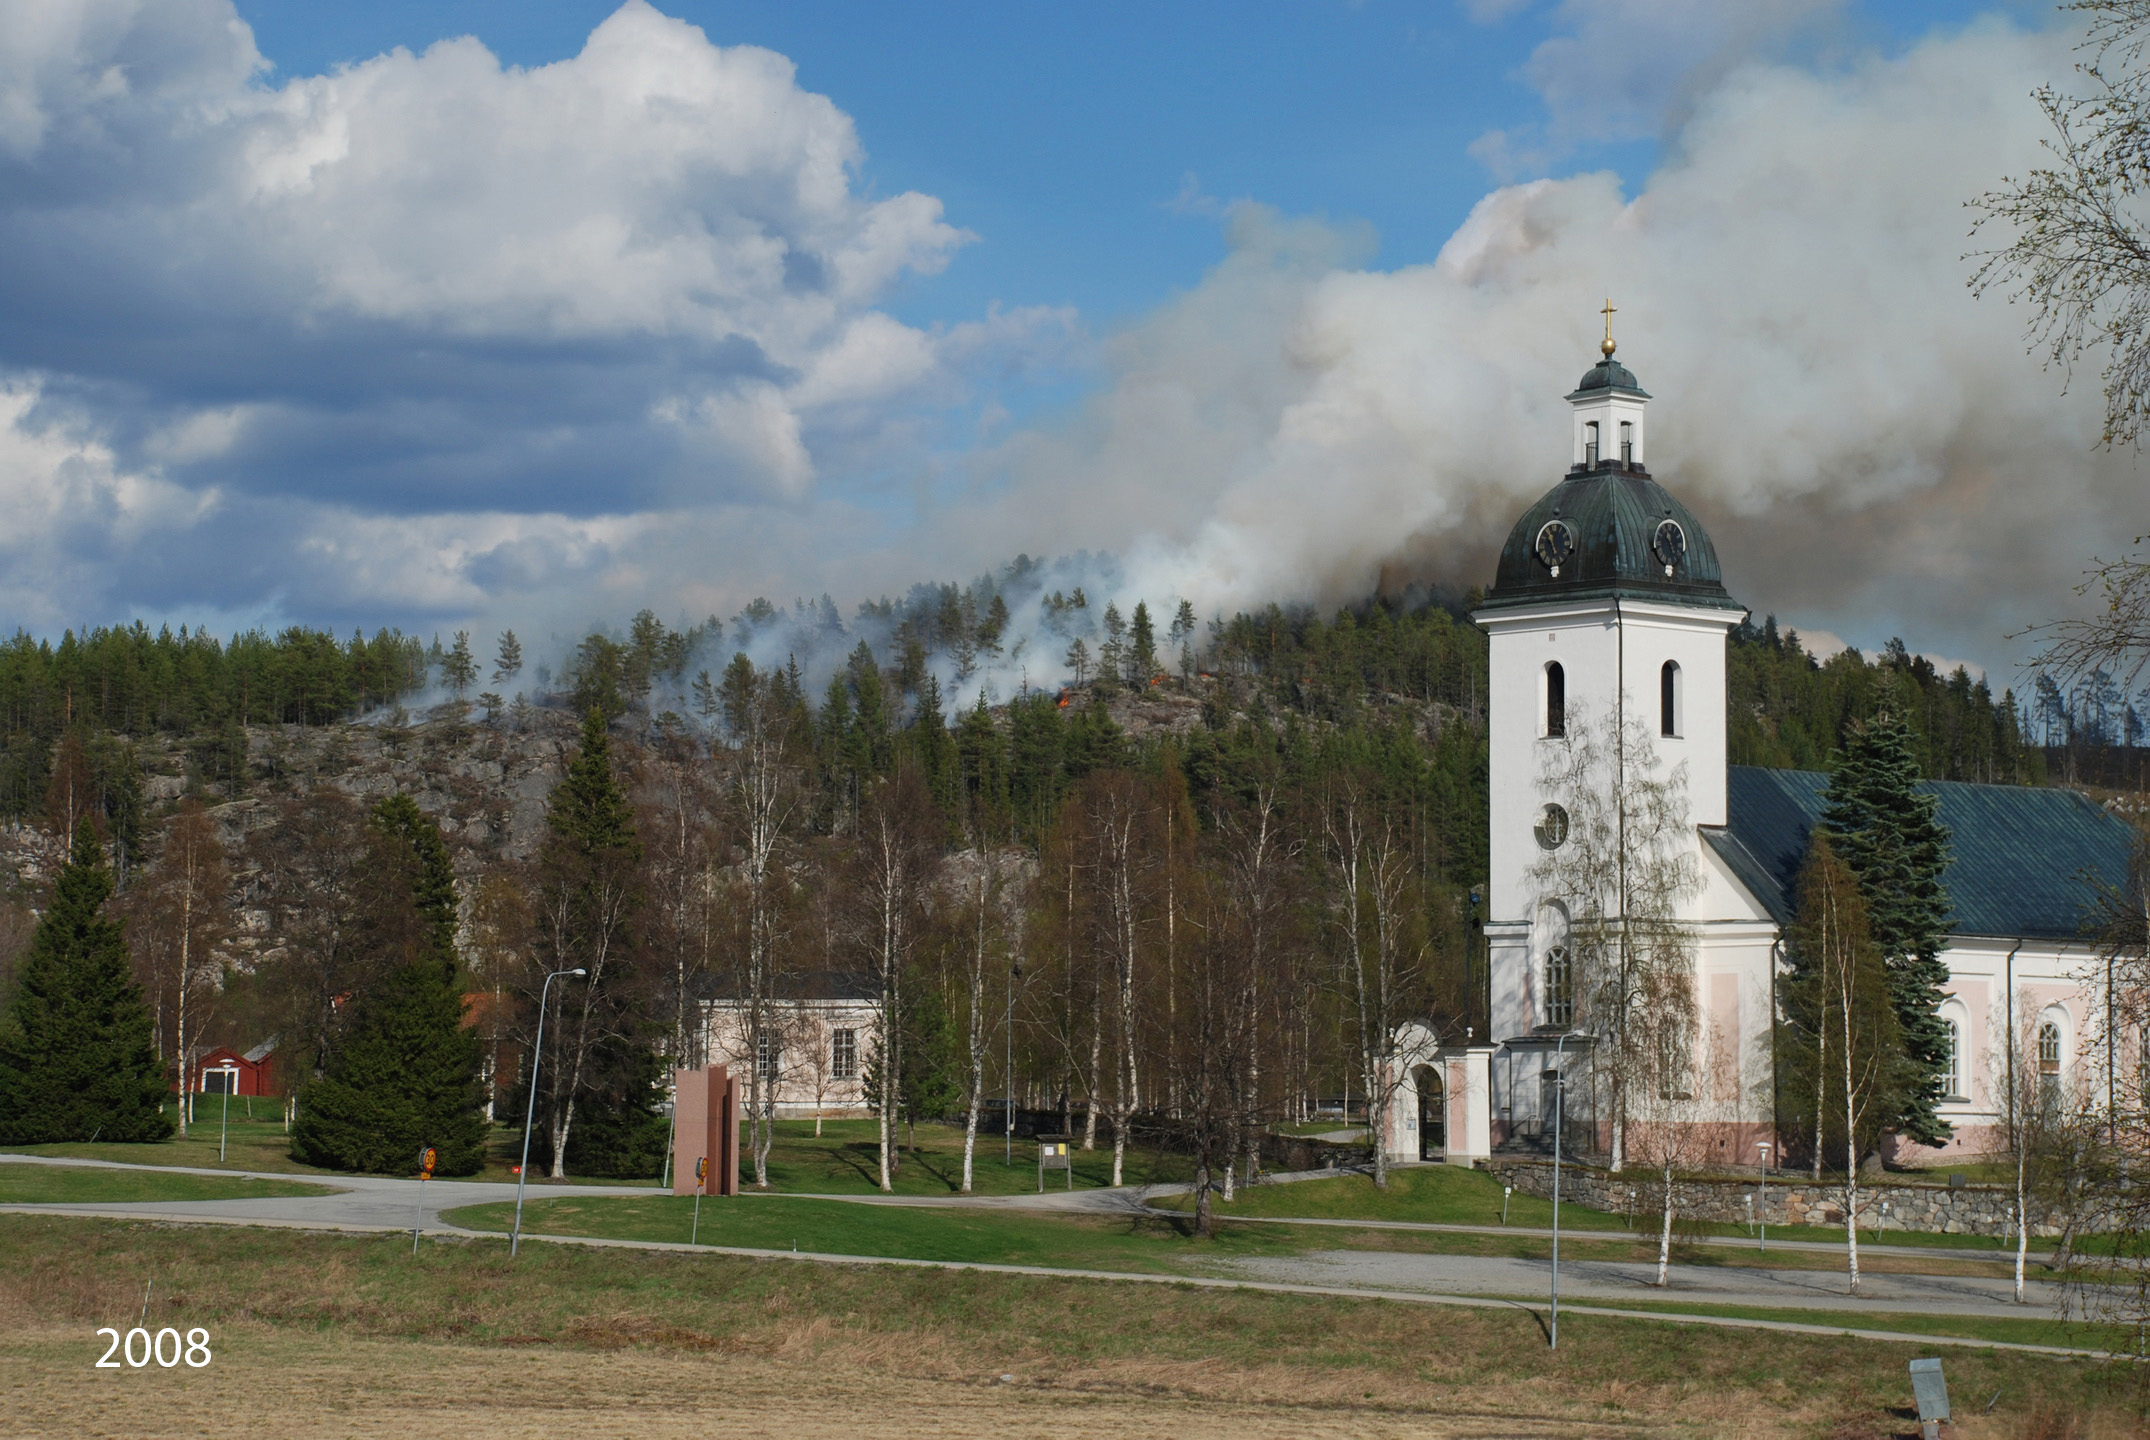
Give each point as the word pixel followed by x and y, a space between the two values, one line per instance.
pixel 1506 1191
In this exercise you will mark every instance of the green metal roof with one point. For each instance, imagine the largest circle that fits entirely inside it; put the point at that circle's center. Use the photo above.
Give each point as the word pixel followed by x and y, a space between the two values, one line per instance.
pixel 2024 862
pixel 1609 374
pixel 1613 513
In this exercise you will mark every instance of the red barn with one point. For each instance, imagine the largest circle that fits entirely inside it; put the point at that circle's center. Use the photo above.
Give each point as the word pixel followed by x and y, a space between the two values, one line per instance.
pixel 224 1071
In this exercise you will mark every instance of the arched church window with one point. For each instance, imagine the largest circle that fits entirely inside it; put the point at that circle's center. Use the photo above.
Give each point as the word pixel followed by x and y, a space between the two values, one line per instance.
pixel 1559 988
pixel 2049 1069
pixel 1627 442
pixel 1556 700
pixel 1952 1060
pixel 1668 698
pixel 1590 443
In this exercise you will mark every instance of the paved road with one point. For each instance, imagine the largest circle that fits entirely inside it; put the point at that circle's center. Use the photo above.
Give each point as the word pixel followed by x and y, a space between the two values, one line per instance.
pixel 1621 1280
pixel 367 1201
pixel 376 1203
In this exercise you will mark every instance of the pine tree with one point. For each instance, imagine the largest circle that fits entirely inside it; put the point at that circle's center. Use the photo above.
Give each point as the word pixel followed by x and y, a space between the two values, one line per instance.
pixel 510 662
pixel 408 1075
pixel 459 668
pixel 78 1053
pixel 982 754
pixel 1885 830
pixel 933 749
pixel 1142 647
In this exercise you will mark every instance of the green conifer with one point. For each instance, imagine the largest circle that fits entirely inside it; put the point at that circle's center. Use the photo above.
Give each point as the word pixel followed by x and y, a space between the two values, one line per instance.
pixel 408 1076
pixel 78 1054
pixel 1885 829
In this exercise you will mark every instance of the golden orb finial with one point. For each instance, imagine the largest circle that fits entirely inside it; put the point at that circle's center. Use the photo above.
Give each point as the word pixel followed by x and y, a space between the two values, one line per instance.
pixel 1608 345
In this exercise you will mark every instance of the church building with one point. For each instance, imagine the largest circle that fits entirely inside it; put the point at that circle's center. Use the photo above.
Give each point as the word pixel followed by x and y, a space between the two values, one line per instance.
pixel 1607 624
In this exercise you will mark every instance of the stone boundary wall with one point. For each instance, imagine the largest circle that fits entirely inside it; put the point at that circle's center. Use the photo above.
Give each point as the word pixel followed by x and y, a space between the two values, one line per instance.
pixel 1965 1210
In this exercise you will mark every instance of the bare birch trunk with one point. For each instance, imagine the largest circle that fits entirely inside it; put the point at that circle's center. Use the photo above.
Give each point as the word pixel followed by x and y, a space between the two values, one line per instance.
pixel 1664 1235
pixel 977 1024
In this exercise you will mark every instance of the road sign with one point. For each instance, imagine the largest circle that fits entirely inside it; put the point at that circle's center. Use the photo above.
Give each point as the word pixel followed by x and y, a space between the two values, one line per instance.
pixel 427 1159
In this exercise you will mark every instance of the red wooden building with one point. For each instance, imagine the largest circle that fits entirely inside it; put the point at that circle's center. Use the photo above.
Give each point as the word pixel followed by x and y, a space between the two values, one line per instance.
pixel 224 1071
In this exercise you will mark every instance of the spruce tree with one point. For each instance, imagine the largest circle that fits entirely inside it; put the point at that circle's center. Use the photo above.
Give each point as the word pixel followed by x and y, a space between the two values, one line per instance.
pixel 408 1075
pixel 1886 831
pixel 78 1053
pixel 591 867
pixel 1843 1059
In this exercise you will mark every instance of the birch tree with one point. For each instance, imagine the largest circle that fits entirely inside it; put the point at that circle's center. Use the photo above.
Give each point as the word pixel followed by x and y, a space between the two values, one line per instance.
pixel 1255 854
pixel 987 929
pixel 764 802
pixel 893 862
pixel 1619 852
pixel 1374 913
pixel 1843 1040
pixel 183 924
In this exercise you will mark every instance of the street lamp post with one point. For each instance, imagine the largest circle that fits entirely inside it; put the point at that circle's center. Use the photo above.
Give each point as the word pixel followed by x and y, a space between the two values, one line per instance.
pixel 1015 973
pixel 537 1056
pixel 1762 1208
pixel 1560 1097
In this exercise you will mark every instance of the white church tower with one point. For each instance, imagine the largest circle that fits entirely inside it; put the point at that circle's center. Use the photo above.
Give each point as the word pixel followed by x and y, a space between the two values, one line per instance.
pixel 1608 602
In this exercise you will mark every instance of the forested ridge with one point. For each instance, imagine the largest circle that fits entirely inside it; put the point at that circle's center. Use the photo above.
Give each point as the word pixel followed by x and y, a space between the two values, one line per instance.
pixel 1185 864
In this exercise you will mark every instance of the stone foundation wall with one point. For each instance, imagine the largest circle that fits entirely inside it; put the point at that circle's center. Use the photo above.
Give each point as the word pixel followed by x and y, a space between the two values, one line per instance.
pixel 1965 1210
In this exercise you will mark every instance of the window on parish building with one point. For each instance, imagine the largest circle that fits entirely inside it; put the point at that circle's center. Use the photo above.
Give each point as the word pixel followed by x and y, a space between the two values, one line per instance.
pixel 844 1055
pixel 1952 1061
pixel 767 1055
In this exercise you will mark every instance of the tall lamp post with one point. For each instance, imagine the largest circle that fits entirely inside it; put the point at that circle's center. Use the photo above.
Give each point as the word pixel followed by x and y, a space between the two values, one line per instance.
pixel 537 1057
pixel 1015 973
pixel 1763 1207
pixel 1560 1097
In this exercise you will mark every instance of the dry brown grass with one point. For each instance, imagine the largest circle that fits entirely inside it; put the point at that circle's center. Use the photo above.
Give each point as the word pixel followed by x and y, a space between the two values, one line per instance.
pixel 350 1335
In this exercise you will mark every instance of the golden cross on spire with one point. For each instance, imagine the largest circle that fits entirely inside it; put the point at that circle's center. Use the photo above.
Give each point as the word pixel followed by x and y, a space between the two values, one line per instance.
pixel 1608 312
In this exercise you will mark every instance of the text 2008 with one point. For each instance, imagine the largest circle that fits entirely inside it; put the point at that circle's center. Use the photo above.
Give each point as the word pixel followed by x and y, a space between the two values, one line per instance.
pixel 165 1347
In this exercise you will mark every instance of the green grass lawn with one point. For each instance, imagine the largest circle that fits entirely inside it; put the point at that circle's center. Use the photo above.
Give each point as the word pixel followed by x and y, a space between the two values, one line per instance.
pixel 844 1160
pixel 838 1227
pixel 73 1185
pixel 253 1139
pixel 1427 1194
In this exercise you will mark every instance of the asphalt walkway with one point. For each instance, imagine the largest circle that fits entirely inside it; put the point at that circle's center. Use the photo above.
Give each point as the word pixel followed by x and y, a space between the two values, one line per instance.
pixel 376 1203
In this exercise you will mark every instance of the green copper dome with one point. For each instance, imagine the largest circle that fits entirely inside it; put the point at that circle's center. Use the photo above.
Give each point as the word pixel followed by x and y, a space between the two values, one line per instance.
pixel 1606 533
pixel 1609 374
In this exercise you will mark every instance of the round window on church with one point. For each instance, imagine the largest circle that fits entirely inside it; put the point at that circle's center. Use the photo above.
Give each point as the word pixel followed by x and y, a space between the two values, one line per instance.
pixel 1552 827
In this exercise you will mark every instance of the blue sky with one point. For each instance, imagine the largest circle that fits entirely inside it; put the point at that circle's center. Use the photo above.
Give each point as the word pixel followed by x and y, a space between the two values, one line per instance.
pixel 533 314
pixel 1066 136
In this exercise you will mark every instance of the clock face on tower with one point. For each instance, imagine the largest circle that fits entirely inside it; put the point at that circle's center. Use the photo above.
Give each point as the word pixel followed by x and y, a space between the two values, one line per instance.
pixel 1556 542
pixel 1670 545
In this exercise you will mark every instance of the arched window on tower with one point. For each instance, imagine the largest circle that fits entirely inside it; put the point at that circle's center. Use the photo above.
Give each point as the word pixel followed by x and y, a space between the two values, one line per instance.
pixel 1559 987
pixel 1556 700
pixel 1627 442
pixel 1668 698
pixel 1590 443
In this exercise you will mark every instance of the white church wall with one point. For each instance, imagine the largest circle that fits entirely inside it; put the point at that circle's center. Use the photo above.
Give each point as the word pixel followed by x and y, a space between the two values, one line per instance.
pixel 2048 981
